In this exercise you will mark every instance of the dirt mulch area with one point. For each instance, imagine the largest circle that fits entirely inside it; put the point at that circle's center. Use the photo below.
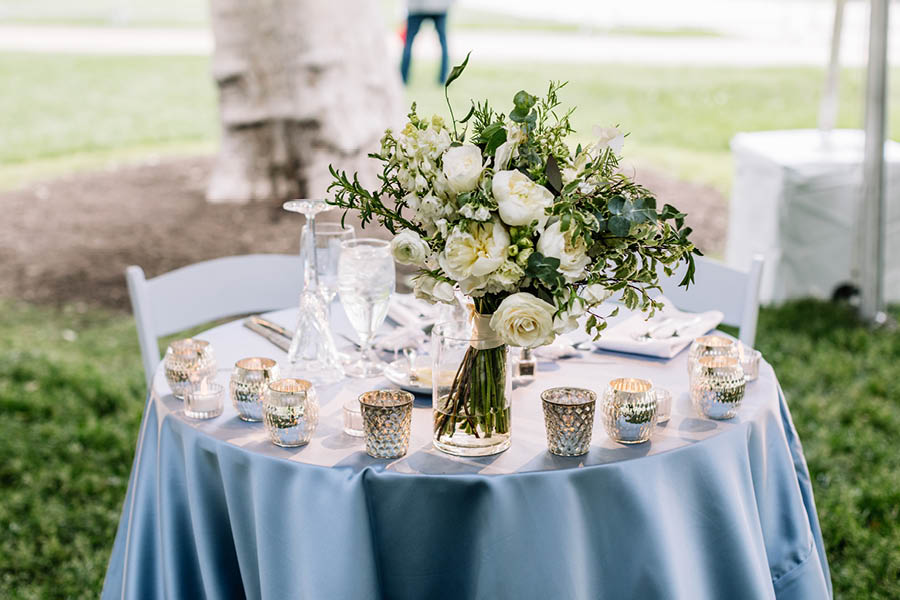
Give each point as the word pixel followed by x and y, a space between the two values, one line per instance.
pixel 70 239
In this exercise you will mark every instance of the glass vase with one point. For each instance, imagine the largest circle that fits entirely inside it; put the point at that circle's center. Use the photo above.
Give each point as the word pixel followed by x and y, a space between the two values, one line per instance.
pixel 471 391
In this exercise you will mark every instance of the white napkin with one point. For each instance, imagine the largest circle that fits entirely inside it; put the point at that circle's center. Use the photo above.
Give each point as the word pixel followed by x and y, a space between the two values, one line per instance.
pixel 411 316
pixel 625 336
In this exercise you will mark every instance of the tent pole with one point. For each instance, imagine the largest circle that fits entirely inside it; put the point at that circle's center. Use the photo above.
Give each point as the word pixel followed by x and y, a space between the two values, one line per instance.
pixel 829 104
pixel 873 206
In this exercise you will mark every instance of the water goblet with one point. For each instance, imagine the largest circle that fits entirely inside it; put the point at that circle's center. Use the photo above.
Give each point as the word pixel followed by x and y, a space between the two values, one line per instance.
pixel 366 281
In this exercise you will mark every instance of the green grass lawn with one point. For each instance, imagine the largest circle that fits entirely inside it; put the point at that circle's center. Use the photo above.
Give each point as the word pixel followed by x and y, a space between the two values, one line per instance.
pixel 72 391
pixel 70 112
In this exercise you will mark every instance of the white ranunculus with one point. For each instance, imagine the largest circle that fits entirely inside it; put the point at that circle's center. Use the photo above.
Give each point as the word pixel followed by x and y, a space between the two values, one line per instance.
pixel 595 294
pixel 409 249
pixel 506 278
pixel 520 200
pixel 608 137
pixel 524 320
pixel 433 290
pixel 477 251
pixel 462 167
pixel 572 257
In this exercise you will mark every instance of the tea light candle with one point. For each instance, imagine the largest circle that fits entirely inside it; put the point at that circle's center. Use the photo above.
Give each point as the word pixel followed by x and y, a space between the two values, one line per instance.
pixel 205 401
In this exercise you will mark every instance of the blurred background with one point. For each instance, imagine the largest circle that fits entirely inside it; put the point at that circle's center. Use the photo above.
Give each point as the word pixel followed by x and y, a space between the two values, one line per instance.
pixel 132 132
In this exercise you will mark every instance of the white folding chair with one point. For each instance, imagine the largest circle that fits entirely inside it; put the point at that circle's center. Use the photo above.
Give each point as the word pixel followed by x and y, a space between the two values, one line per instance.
pixel 206 291
pixel 720 287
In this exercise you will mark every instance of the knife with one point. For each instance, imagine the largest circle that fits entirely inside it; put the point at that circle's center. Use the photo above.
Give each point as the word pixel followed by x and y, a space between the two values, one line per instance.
pixel 273 332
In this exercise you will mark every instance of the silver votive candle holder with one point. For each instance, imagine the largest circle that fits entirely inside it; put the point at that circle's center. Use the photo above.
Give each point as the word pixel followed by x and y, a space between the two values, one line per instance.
pixel 629 410
pixel 663 405
pixel 387 417
pixel 569 419
pixel 188 362
pixel 204 401
pixel 711 345
pixel 249 380
pixel 750 363
pixel 717 387
pixel 290 412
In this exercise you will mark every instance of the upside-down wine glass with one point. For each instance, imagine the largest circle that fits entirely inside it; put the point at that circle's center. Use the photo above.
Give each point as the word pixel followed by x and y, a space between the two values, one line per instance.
pixel 328 250
pixel 312 355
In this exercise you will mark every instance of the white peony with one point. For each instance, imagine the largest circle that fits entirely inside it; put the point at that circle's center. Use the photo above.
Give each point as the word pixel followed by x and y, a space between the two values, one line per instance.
pixel 572 257
pixel 462 167
pixel 524 320
pixel 595 294
pixel 520 200
pixel 476 251
pixel 409 249
pixel 608 137
pixel 433 290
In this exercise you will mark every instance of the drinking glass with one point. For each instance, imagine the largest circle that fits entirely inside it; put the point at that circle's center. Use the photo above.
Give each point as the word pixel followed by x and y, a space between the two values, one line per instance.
pixel 328 250
pixel 365 283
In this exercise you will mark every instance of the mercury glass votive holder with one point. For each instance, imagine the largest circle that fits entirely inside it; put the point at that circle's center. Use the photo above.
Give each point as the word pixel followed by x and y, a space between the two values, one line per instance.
pixel 290 412
pixel 663 405
pixel 249 380
pixel 188 362
pixel 711 345
pixel 204 401
pixel 750 363
pixel 387 417
pixel 717 387
pixel 629 410
pixel 569 419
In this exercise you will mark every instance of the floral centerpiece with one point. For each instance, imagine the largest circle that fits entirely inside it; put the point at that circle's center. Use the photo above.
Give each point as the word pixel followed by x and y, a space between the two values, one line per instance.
pixel 536 233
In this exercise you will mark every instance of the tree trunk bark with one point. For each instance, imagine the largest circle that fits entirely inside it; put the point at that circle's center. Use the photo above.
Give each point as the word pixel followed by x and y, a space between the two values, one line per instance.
pixel 302 84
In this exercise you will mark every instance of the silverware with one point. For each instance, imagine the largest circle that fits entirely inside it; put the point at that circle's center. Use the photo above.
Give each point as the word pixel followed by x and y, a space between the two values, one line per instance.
pixel 273 332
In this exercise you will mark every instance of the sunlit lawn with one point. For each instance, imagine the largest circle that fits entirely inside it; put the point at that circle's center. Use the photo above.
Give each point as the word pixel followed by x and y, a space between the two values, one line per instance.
pixel 74 112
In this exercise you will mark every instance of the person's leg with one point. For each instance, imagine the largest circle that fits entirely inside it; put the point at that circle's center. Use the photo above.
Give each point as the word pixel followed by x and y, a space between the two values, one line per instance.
pixel 440 24
pixel 413 22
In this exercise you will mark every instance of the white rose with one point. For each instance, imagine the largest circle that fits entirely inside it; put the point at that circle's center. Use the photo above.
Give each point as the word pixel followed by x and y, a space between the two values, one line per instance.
pixel 524 320
pixel 595 294
pixel 520 200
pixel 462 167
pixel 433 290
pixel 608 137
pixel 572 257
pixel 409 249
pixel 476 251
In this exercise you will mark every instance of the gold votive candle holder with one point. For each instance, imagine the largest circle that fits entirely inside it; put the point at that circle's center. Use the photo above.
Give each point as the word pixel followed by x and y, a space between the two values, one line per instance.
pixel 717 387
pixel 249 380
pixel 629 410
pixel 290 412
pixel 187 362
pixel 387 419
pixel 569 419
pixel 711 345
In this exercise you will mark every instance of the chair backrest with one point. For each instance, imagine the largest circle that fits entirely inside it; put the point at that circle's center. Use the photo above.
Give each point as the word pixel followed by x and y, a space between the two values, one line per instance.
pixel 206 291
pixel 720 287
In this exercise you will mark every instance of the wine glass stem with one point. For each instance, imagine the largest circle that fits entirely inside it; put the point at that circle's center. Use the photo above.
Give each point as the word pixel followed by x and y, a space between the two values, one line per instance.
pixel 366 350
pixel 312 268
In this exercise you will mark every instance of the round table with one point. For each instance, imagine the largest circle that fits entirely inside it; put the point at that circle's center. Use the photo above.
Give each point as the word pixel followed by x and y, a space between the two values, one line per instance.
pixel 706 509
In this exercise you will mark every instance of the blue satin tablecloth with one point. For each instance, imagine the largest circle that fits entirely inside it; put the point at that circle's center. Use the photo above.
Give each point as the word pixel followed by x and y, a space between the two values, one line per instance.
pixel 705 510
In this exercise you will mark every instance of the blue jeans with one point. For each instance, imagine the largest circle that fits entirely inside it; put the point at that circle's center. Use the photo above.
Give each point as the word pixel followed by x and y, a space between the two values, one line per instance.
pixel 413 22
